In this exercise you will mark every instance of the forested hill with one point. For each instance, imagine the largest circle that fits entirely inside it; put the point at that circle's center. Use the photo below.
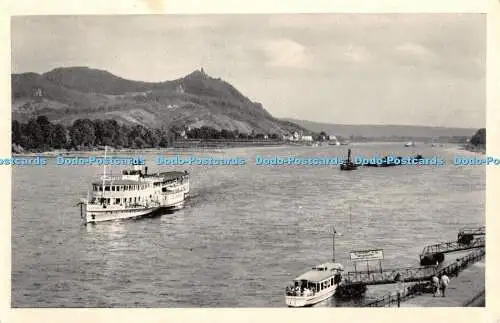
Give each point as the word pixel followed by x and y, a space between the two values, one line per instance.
pixel 479 138
pixel 197 100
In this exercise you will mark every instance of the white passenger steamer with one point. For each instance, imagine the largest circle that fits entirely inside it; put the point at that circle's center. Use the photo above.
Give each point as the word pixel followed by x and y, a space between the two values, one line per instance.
pixel 133 194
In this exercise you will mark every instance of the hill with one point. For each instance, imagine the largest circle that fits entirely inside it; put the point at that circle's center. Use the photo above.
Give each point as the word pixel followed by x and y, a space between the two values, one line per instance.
pixel 479 138
pixel 385 131
pixel 196 100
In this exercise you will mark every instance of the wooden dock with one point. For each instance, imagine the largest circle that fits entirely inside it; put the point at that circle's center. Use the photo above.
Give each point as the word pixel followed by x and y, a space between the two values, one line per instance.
pixel 355 283
pixel 474 283
pixel 390 276
pixel 435 253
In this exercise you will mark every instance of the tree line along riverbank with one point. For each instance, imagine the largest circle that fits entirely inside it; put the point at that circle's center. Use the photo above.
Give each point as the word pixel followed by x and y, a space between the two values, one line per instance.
pixel 41 135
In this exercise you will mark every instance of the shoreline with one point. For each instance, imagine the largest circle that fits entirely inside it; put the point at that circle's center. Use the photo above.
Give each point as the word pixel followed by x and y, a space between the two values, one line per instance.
pixel 101 150
pixel 218 148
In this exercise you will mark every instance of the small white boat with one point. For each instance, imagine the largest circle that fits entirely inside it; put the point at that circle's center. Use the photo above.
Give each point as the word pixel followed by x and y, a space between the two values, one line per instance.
pixel 410 144
pixel 314 286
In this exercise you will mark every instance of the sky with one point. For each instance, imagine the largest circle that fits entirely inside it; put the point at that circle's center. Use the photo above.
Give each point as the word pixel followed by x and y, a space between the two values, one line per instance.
pixel 406 69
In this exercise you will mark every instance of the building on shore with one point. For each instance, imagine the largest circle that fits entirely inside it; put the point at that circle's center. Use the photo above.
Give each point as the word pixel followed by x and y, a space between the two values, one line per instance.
pixel 296 136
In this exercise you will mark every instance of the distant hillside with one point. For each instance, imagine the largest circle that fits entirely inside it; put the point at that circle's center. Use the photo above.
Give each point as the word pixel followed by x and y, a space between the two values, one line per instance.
pixel 196 100
pixel 384 131
pixel 94 81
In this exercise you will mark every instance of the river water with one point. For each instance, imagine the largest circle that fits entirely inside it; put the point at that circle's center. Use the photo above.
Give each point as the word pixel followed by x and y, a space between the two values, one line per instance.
pixel 244 235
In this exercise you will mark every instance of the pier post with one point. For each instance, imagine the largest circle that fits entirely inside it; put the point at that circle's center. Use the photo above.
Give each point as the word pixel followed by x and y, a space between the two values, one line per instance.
pixel 333 246
pixel 350 222
pixel 399 299
pixel 333 243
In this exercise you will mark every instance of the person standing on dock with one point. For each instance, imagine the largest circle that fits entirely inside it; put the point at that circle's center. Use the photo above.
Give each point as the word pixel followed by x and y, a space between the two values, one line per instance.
pixel 435 285
pixel 444 283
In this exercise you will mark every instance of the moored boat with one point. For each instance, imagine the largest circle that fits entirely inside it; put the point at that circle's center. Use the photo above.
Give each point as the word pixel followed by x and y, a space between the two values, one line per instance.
pixel 314 286
pixel 317 284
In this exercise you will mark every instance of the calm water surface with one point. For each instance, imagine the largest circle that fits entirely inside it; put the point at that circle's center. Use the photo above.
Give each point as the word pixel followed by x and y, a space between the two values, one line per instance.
pixel 244 235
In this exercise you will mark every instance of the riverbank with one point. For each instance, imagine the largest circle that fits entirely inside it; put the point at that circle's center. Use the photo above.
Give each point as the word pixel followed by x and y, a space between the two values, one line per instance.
pixel 212 147
pixel 112 151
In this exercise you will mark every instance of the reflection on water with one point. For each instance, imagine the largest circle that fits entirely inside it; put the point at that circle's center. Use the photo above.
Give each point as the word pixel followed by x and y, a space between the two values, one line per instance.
pixel 113 229
pixel 243 236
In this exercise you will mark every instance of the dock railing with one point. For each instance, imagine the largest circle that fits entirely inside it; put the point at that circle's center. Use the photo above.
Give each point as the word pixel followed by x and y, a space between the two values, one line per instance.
pixel 395 298
pixel 453 269
pixel 388 276
pixel 452 246
pixel 461 263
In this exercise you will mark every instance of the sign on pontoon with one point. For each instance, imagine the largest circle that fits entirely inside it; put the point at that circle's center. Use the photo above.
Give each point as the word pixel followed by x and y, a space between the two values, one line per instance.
pixel 367 255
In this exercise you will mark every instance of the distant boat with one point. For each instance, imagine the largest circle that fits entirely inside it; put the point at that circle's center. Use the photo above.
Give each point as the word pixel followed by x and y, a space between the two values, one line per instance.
pixel 348 164
pixel 387 163
pixel 410 144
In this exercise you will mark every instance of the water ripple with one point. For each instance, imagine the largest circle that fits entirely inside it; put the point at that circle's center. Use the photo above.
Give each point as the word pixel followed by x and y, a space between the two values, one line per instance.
pixel 245 233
